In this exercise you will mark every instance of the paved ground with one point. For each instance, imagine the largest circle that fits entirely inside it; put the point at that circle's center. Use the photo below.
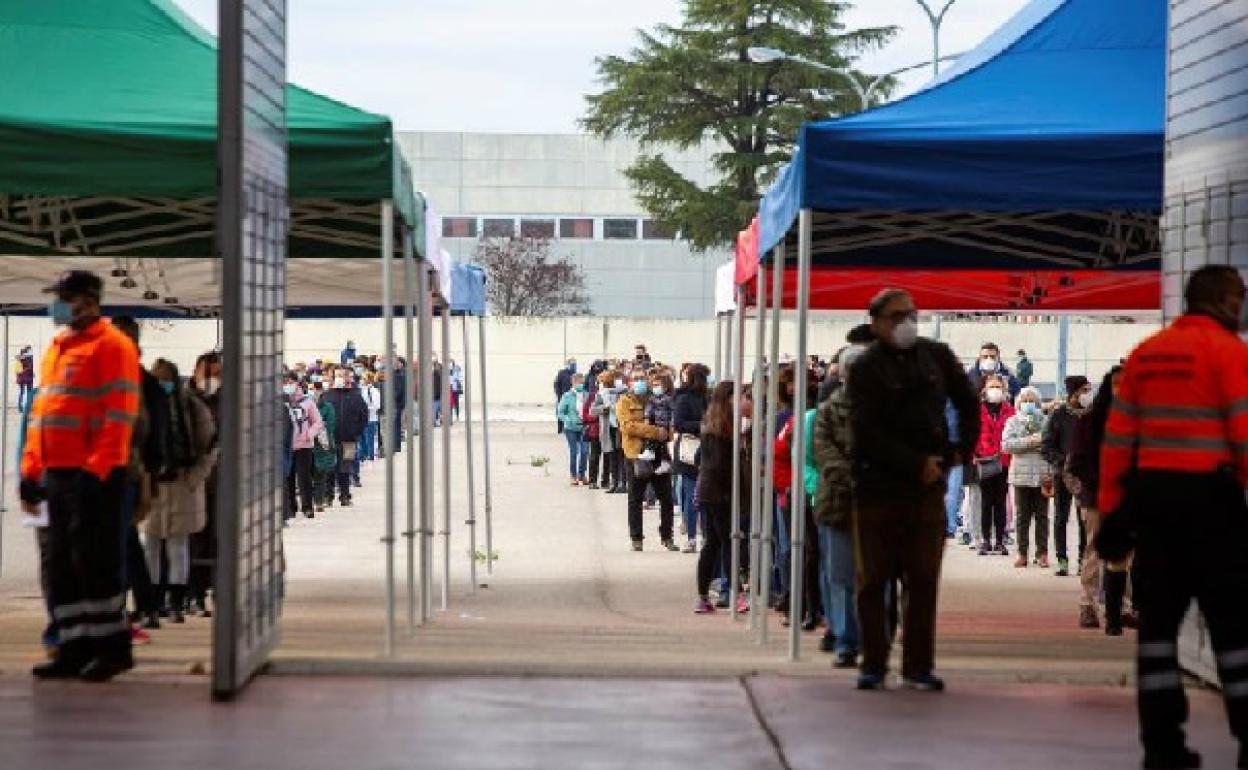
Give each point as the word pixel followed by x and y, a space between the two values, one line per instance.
pixel 569 599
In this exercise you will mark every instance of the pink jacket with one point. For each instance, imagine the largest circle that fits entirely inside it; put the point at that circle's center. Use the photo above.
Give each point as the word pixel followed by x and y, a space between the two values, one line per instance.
pixel 307 422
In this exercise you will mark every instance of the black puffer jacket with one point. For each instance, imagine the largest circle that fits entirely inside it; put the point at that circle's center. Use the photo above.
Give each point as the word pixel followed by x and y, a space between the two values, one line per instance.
pixel 898 419
pixel 352 413
pixel 715 470
pixel 688 409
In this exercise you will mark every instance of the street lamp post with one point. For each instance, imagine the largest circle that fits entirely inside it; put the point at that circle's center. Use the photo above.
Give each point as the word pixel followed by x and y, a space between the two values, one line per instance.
pixel 762 55
pixel 937 18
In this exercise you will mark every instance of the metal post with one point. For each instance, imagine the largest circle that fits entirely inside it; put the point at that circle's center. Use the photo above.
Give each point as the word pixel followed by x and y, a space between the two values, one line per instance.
pixel 757 505
pixel 719 345
pixel 446 456
pixel 472 500
pixel 485 448
pixel 769 432
pixel 390 423
pixel 1063 351
pixel 4 432
pixel 413 370
pixel 734 570
pixel 425 331
pixel 797 529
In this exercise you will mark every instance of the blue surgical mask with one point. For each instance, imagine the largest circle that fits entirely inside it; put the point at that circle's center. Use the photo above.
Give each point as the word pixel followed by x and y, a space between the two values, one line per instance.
pixel 167 387
pixel 288 389
pixel 640 387
pixel 1031 407
pixel 61 312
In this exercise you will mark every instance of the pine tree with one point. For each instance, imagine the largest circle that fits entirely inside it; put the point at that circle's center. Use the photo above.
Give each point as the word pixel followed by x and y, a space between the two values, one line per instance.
pixel 691 84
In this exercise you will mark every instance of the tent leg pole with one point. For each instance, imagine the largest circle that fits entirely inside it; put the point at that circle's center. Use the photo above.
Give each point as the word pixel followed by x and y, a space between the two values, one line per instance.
pixel 485 448
pixel 756 447
pixel 738 389
pixel 797 528
pixel 4 433
pixel 773 393
pixel 425 335
pixel 446 458
pixel 719 346
pixel 410 298
pixel 472 500
pixel 1063 351
pixel 390 424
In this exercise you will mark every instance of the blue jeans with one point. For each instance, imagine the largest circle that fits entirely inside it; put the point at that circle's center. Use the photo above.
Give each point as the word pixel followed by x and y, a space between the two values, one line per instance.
pixel 953 500
pixel 782 545
pixel 368 442
pixel 685 485
pixel 578 452
pixel 836 578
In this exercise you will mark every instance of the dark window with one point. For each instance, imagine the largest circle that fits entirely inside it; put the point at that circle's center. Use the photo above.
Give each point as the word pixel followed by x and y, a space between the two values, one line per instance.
pixel 499 228
pixel 459 227
pixel 619 229
pixel 537 228
pixel 653 230
pixel 576 228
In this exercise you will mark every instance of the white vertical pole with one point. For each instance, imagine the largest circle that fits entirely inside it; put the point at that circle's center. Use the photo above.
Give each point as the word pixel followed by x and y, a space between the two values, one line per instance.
pixel 719 345
pixel 472 500
pixel 485 446
pixel 413 370
pixel 446 455
pixel 389 424
pixel 769 432
pixel 4 432
pixel 425 330
pixel 738 388
pixel 797 529
pixel 757 505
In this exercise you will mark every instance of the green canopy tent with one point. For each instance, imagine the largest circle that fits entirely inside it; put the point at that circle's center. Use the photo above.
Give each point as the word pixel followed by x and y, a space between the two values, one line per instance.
pixel 108 128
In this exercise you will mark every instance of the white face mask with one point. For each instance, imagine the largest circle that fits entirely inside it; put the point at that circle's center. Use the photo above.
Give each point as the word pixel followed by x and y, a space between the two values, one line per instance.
pixel 745 424
pixel 210 385
pixel 340 383
pixel 988 364
pixel 657 390
pixel 619 383
pixel 994 395
pixel 1085 399
pixel 288 389
pixel 906 334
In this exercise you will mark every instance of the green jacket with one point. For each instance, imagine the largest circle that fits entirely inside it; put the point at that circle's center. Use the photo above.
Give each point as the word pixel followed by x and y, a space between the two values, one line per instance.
pixel 569 410
pixel 326 458
pixel 834 497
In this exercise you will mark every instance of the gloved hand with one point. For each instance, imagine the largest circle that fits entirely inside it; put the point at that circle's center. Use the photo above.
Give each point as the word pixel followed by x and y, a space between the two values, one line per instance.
pixel 32 492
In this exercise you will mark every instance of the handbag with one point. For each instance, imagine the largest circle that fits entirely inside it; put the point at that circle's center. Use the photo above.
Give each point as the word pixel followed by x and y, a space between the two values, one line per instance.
pixel 643 469
pixel 988 468
pixel 348 451
pixel 687 446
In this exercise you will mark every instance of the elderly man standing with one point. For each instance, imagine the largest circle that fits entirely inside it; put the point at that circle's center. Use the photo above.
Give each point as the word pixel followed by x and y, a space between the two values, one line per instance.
pixel 902 455
pixel 75 459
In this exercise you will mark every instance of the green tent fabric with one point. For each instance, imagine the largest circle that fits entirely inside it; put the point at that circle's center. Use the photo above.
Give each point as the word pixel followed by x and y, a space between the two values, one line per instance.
pixel 108 113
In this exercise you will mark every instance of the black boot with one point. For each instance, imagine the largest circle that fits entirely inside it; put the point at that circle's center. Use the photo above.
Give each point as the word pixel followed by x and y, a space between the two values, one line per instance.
pixel 177 602
pixel 162 600
pixel 1115 589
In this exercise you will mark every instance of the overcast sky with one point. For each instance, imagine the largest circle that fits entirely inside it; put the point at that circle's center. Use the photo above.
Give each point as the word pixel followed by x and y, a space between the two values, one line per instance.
pixel 525 65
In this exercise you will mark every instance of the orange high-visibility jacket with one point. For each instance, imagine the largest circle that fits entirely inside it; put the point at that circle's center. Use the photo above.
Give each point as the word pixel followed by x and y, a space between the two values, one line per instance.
pixel 1182 405
pixel 87 404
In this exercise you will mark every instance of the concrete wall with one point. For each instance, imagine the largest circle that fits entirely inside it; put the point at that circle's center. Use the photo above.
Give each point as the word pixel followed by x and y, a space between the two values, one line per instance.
pixel 570 175
pixel 524 354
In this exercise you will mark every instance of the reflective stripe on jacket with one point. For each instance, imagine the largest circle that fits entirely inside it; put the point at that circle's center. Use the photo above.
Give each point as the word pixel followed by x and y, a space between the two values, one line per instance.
pixel 88 403
pixel 1182 405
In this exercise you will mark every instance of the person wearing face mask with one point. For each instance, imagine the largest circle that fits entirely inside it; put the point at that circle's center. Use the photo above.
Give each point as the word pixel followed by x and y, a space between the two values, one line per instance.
pixel 635 431
pixel 990 363
pixel 1028 471
pixel 1174 462
pixel 991 465
pixel 306 425
pixel 563 383
pixel 352 418
pixel 1057 440
pixel 901 454
pixel 179 505
pixel 76 459
pixel 372 399
pixel 611 386
pixel 206 385
pixel 660 412
pixel 689 407
pixel 569 414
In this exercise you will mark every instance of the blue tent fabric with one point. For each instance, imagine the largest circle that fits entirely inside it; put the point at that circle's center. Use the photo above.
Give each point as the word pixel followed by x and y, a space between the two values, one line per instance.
pixel 467 289
pixel 1062 109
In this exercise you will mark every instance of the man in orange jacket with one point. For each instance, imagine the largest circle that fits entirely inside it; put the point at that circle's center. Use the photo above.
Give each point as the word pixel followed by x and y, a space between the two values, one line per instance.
pixel 77 448
pixel 1174 461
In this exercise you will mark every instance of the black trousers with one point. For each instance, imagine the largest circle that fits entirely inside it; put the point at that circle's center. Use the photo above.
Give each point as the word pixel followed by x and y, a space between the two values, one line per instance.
pixel 301 471
pixel 716 552
pixel 596 460
pixel 662 486
pixel 138 579
pixel 1192 530
pixel 86 580
pixel 610 470
pixel 992 493
pixel 1065 501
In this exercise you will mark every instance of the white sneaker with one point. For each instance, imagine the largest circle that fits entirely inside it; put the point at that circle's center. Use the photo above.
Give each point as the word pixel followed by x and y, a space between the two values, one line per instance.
pixel 647 455
pixel 664 468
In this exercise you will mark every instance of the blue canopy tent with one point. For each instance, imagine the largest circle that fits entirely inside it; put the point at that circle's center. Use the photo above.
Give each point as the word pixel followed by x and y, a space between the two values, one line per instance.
pixel 1040 150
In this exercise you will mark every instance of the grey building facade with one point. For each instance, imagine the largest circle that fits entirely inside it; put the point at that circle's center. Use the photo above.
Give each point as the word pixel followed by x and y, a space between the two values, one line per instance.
pixel 572 190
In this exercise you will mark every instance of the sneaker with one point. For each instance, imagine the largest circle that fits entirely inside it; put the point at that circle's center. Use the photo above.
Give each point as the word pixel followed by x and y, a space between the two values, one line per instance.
pixel 356 483
pixel 743 604
pixel 691 547
pixel 593 485
pixel 1043 561
pixel 139 636
pixel 1002 550
pixel 928 682
pixel 702 606
pixel 1130 619
pixel 1087 617
pixel 636 545
pixel 722 599
pixel 966 538
pixel 306 515
pixel 664 468
pixel 57 668
pixel 102 670
pixel 1063 568
pixel 827 643
pixel 984 549
pixel 1113 629
pixel 845 659
pixel 152 621
pixel 671 545
pixel 871 682
pixel 1181 758
pixel 1021 561
pixel 345 502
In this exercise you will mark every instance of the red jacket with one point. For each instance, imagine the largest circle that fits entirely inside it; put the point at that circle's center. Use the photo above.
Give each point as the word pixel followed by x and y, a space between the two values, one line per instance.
pixel 991 429
pixel 783 452
pixel 593 426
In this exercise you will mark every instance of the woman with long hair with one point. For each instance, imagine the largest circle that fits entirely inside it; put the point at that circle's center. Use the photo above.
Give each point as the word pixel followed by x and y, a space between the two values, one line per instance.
pixel 992 463
pixel 714 491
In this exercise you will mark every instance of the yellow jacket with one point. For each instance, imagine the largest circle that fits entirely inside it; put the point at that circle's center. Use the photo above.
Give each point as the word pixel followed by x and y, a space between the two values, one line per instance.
pixel 630 413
